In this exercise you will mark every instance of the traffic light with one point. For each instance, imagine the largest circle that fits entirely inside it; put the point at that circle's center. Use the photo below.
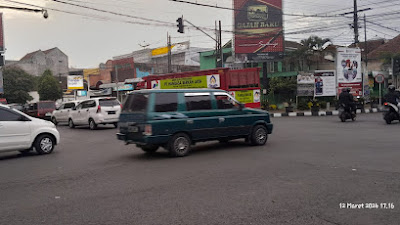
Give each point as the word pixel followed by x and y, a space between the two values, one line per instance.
pixel 180 25
pixel 396 66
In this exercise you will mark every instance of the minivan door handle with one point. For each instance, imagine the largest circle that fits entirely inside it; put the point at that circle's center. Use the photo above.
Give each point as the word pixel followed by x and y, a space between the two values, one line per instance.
pixel 189 121
pixel 221 120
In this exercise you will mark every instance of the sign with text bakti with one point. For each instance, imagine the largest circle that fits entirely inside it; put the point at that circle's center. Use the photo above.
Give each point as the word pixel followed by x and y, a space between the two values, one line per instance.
pixel 258 30
pixel 75 82
pixel 349 69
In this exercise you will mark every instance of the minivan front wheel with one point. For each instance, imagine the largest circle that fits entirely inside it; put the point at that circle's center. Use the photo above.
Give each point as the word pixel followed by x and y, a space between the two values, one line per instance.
pixel 92 124
pixel 71 123
pixel 44 144
pixel 179 145
pixel 259 135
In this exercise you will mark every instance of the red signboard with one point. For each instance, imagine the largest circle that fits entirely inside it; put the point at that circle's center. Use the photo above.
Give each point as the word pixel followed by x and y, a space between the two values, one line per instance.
pixel 1 33
pixel 258 30
pixel 355 88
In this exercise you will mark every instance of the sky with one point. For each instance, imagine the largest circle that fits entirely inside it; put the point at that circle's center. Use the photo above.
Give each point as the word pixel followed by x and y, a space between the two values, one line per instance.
pixel 91 37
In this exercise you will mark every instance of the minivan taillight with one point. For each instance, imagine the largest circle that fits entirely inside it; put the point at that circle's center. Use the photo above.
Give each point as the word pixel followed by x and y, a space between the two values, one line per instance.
pixel 98 109
pixel 147 130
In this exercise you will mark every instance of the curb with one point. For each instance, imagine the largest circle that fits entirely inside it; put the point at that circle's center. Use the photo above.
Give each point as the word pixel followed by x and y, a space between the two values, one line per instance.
pixel 322 113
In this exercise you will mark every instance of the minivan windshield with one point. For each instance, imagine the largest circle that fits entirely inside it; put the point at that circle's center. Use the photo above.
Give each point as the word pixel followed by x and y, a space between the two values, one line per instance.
pixel 108 102
pixel 136 103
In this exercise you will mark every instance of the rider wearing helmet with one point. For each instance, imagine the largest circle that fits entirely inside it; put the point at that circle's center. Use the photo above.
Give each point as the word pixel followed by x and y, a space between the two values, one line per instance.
pixel 392 96
pixel 347 99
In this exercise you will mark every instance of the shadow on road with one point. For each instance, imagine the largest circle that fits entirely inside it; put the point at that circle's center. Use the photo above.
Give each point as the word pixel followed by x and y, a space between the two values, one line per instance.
pixel 197 150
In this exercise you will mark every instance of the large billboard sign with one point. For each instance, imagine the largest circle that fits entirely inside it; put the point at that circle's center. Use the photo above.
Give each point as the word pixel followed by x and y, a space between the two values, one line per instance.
pixel 75 82
pixel 325 83
pixel 258 30
pixel 349 71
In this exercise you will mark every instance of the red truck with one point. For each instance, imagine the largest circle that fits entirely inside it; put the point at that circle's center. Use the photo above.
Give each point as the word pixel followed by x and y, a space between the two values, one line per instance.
pixel 243 84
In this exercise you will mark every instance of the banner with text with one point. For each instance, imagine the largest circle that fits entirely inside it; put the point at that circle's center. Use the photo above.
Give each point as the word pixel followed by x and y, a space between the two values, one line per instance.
pixel 247 96
pixel 325 83
pixel 75 82
pixel 208 81
pixel 305 84
pixel 258 30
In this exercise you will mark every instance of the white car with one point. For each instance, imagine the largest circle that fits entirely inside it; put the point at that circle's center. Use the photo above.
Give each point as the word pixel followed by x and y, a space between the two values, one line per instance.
pixel 95 111
pixel 20 132
pixel 61 114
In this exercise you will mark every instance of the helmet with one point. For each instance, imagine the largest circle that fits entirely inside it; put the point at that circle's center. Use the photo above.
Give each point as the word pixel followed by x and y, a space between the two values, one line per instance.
pixel 391 88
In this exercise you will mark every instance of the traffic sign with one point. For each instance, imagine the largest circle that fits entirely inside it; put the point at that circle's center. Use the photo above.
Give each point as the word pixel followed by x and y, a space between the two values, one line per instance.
pixel 379 78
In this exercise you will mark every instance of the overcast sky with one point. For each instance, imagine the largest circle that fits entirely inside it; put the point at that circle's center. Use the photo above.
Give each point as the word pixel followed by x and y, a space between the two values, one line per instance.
pixel 92 37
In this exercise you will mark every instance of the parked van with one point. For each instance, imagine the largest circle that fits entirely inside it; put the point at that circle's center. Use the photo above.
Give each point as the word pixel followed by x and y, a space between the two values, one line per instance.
pixel 176 119
pixel 42 109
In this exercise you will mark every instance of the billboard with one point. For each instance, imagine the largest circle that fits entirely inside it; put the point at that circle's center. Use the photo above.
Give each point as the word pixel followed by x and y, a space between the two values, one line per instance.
pixel 1 33
pixel 349 71
pixel 75 82
pixel 325 83
pixel 305 84
pixel 1 82
pixel 247 96
pixel 208 81
pixel 258 30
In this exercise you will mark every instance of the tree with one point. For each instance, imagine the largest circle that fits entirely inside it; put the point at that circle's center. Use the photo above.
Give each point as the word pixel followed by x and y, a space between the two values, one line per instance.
pixel 48 87
pixel 17 84
pixel 310 51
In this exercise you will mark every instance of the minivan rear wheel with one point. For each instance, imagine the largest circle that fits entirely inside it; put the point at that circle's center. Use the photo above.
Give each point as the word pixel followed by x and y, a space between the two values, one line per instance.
pixel 259 135
pixel 179 145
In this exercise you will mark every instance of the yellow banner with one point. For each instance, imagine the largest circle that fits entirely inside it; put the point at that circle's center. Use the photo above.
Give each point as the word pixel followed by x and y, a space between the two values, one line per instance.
pixel 161 51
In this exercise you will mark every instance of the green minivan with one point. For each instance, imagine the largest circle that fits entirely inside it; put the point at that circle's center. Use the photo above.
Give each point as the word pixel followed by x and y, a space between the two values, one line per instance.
pixel 178 118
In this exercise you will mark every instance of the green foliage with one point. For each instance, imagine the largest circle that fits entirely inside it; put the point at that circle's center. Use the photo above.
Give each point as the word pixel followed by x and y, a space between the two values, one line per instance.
pixel 17 84
pixel 48 87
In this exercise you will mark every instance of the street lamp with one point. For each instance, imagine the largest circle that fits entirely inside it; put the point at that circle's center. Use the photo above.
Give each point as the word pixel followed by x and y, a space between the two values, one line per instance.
pixel 44 11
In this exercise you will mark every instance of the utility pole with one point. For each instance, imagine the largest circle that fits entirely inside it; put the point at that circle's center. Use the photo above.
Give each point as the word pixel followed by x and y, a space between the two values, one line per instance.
pixel 117 83
pixel 221 53
pixel 169 53
pixel 366 44
pixel 356 41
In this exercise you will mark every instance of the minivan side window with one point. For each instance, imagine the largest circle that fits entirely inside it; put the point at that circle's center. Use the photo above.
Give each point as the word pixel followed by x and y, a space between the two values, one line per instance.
pixel 166 102
pixel 225 101
pixel 68 106
pixel 6 115
pixel 198 101
pixel 136 103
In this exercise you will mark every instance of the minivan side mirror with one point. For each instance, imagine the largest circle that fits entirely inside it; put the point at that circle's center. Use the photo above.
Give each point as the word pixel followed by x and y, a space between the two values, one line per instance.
pixel 74 108
pixel 241 106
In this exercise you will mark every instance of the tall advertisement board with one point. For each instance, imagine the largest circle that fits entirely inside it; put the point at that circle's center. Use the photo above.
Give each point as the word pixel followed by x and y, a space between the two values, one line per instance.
pixel 325 83
pixel 75 82
pixel 349 71
pixel 258 30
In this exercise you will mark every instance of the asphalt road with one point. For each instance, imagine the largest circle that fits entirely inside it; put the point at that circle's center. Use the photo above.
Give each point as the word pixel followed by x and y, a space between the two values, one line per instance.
pixel 308 167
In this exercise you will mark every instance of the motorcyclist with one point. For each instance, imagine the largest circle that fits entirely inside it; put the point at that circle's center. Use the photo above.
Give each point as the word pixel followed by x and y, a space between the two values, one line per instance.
pixel 347 99
pixel 392 96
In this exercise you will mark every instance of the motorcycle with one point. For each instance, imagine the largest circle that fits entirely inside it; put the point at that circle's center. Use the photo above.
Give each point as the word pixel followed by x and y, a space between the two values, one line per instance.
pixel 345 113
pixel 391 112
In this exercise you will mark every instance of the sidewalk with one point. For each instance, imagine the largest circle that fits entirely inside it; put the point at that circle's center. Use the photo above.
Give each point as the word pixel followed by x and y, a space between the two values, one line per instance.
pixel 282 113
